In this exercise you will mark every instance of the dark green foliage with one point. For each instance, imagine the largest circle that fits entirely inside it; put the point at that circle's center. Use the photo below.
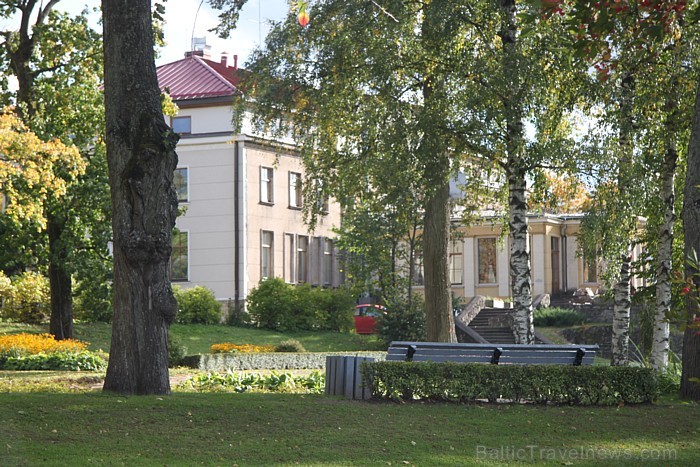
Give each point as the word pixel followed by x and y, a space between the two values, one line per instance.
pixel 237 315
pixel 291 345
pixel 197 305
pixel 403 321
pixel 558 317
pixel 176 350
pixel 57 361
pixel 274 304
pixel 246 382
pixel 558 384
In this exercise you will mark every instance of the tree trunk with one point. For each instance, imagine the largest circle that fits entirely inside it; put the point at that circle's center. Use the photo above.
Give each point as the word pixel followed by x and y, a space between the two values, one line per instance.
pixel 621 315
pixel 61 324
pixel 521 282
pixel 660 336
pixel 520 257
pixel 141 157
pixel 440 324
pixel 621 291
pixel 690 386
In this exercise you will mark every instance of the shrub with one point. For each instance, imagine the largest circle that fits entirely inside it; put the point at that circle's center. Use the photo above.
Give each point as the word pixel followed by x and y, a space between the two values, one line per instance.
pixel 56 361
pixel 558 317
pixel 291 345
pixel 228 347
pixel 176 350
pixel 559 384
pixel 42 352
pixel 403 322
pixel 28 299
pixel 237 315
pixel 197 305
pixel 276 305
pixel 245 382
pixel 29 344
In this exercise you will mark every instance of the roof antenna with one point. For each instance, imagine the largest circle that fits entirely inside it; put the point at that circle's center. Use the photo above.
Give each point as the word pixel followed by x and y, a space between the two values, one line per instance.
pixel 194 24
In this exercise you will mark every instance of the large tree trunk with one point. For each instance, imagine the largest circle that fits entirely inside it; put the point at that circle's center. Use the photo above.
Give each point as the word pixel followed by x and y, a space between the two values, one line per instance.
pixel 440 325
pixel 141 157
pixel 660 335
pixel 690 385
pixel 61 324
pixel 520 257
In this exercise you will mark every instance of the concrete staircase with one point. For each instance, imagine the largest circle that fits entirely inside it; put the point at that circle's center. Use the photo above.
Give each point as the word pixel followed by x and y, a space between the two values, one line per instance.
pixel 491 324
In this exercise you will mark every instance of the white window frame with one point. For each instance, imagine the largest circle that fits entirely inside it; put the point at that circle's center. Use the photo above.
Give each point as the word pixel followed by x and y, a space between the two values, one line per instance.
pixel 187 278
pixel 186 169
pixel 302 259
pixel 456 261
pixel 269 247
pixel 267 185
pixel 182 118
pixel 295 190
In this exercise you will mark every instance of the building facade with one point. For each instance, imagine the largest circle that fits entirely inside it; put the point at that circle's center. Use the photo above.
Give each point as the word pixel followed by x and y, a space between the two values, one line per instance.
pixel 240 194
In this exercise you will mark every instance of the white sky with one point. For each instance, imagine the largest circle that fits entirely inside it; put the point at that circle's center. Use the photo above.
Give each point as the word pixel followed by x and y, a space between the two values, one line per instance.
pixel 253 25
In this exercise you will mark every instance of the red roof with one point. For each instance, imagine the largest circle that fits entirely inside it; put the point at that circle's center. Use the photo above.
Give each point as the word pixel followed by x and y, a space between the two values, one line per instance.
pixel 196 77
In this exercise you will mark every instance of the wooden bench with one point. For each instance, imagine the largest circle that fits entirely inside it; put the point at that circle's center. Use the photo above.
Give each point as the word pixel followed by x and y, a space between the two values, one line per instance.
pixel 497 354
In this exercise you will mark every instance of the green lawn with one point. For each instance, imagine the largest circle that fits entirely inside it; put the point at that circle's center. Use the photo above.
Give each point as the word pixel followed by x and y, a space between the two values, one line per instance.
pixel 284 429
pixel 199 337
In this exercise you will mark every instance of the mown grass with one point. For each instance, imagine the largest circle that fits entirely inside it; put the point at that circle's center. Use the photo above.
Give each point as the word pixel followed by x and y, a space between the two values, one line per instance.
pixel 198 338
pixel 283 429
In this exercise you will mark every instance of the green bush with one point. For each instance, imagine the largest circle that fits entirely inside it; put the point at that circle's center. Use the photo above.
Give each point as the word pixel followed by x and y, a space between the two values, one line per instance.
pixel 27 299
pixel 245 382
pixel 559 384
pixel 276 305
pixel 290 345
pixel 197 305
pixel 176 350
pixel 236 314
pixel 557 317
pixel 403 322
pixel 56 361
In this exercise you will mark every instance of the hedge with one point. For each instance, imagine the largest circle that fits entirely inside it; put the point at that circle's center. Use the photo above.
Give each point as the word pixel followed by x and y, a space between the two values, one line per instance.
pixel 558 384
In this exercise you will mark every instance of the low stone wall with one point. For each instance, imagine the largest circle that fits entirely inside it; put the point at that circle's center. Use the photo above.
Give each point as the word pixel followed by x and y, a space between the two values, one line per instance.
pixel 269 361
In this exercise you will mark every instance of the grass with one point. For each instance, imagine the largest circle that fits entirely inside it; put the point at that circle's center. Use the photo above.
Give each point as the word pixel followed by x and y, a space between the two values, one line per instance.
pixel 283 429
pixel 199 337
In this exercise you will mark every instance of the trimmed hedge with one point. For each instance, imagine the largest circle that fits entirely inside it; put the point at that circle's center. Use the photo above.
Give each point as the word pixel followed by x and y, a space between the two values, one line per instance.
pixel 558 384
pixel 57 361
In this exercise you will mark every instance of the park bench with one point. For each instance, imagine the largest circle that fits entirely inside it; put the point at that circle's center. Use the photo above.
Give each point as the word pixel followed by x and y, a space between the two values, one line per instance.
pixel 497 354
pixel 343 374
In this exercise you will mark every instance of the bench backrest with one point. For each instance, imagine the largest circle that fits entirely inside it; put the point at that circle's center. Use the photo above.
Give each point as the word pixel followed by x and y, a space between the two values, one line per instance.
pixel 540 354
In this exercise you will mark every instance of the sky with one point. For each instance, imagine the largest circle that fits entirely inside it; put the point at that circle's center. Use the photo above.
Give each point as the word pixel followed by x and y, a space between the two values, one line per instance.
pixel 182 19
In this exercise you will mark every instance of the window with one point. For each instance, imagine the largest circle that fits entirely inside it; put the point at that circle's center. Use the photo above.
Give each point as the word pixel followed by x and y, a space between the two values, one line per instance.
pixel 302 259
pixel 487 260
pixel 418 278
pixel 179 262
pixel 289 258
pixel 590 268
pixel 182 125
pixel 294 190
pixel 327 274
pixel 266 254
pixel 456 264
pixel 180 180
pixel 266 185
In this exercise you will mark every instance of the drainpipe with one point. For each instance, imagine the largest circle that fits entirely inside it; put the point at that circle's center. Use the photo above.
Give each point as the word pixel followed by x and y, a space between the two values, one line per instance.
pixel 236 225
pixel 564 266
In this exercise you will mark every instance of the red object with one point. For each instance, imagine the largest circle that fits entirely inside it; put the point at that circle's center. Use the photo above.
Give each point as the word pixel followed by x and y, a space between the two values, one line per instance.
pixel 303 18
pixel 366 318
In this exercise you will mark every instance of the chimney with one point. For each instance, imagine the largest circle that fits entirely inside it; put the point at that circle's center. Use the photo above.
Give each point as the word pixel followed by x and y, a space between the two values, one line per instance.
pixel 224 59
pixel 235 62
